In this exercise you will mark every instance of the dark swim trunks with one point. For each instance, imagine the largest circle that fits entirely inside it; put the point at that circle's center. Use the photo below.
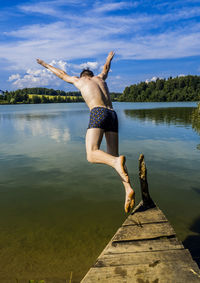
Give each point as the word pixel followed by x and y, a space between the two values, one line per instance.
pixel 103 118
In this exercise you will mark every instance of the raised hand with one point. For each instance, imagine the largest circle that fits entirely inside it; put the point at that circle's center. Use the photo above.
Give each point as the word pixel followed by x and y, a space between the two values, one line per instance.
pixel 111 55
pixel 41 62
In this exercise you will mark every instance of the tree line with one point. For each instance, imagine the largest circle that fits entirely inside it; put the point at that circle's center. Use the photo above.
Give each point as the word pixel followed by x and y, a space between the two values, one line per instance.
pixel 184 88
pixel 44 91
pixel 43 95
pixel 39 95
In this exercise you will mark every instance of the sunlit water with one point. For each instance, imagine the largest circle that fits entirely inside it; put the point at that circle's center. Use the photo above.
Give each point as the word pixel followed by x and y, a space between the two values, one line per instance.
pixel 57 211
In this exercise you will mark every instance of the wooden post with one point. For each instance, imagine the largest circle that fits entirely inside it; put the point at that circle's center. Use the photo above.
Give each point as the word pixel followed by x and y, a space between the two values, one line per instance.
pixel 147 201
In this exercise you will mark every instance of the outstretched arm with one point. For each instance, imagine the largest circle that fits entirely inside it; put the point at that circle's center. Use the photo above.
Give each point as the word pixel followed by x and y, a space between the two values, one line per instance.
pixel 106 66
pixel 59 73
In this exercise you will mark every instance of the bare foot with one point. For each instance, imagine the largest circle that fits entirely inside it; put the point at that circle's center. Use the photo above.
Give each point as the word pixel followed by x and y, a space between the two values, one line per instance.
pixel 121 168
pixel 129 199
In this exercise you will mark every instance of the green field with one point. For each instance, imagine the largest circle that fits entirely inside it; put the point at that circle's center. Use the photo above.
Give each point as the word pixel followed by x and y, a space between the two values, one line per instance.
pixel 53 96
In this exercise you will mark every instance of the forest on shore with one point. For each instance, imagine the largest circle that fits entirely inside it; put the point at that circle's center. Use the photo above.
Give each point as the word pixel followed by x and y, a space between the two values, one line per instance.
pixel 39 95
pixel 43 95
pixel 182 88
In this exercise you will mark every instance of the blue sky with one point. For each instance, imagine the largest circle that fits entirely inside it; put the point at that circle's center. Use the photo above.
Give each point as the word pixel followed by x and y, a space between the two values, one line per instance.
pixel 151 39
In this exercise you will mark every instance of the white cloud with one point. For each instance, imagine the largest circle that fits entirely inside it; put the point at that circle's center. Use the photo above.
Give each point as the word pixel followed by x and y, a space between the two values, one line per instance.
pixel 153 79
pixel 92 32
pixel 14 77
pixel 57 40
pixel 113 6
pixel 54 8
pixel 44 77
pixel 60 64
pixel 34 78
pixel 90 65
pixel 50 8
pixel 41 8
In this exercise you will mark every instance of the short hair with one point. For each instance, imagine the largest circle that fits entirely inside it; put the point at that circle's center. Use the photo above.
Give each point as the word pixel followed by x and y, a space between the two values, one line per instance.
pixel 86 72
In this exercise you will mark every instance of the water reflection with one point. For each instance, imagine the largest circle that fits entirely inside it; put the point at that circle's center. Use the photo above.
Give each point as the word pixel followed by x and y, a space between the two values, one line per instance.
pixel 169 116
pixel 27 116
pixel 196 120
pixel 60 126
pixel 197 190
pixel 193 241
pixel 56 208
pixel 36 127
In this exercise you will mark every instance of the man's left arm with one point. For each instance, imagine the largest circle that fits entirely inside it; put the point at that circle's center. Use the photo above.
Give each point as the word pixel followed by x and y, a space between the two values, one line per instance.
pixel 106 66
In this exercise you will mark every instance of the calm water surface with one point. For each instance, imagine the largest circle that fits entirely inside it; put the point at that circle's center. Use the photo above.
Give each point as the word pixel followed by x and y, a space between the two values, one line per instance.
pixel 57 211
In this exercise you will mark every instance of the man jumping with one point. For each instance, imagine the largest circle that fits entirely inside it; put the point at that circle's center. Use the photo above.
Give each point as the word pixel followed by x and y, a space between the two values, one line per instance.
pixel 103 120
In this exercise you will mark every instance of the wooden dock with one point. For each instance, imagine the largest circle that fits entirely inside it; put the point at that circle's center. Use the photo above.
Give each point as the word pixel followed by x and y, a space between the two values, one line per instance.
pixel 145 248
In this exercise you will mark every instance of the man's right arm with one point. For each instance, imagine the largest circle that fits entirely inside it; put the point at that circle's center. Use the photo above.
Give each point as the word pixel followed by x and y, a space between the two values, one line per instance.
pixel 106 66
pixel 59 73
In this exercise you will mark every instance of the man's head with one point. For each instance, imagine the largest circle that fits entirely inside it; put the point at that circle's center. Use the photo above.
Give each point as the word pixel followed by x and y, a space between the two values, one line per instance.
pixel 86 73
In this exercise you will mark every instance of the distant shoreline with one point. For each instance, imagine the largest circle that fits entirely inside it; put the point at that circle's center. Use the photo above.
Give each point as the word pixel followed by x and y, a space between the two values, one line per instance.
pixel 24 103
pixel 184 88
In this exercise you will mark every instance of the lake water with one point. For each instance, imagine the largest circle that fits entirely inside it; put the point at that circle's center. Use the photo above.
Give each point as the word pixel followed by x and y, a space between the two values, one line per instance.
pixel 57 211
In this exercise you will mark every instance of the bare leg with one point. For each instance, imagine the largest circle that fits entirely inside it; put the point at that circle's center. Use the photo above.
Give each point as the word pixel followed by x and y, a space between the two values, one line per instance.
pixel 112 148
pixel 95 155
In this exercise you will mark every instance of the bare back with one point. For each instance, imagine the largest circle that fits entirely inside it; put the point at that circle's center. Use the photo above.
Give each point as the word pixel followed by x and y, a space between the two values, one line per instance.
pixel 94 91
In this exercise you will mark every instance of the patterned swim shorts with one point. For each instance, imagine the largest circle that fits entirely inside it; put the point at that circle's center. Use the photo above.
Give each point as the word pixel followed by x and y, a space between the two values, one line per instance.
pixel 103 118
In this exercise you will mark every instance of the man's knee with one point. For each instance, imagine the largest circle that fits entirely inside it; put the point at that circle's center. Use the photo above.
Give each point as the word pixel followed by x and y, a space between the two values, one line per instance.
pixel 90 157
pixel 91 153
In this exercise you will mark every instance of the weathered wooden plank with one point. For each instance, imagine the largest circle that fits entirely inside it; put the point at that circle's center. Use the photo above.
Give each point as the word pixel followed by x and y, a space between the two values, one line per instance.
pixel 143 273
pixel 143 246
pixel 143 216
pixel 145 231
pixel 150 258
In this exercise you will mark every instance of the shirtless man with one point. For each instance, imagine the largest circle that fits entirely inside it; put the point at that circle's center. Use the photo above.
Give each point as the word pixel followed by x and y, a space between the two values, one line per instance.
pixel 103 120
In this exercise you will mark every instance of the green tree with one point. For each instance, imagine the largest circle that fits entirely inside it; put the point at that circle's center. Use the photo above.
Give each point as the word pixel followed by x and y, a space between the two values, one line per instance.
pixel 173 89
pixel 36 99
